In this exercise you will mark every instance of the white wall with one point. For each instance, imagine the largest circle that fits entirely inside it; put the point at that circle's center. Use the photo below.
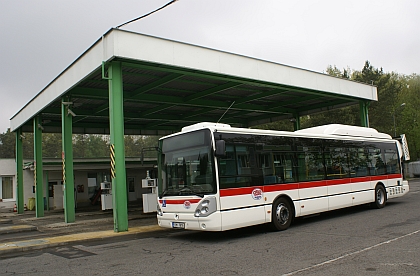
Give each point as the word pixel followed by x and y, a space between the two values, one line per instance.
pixel 8 168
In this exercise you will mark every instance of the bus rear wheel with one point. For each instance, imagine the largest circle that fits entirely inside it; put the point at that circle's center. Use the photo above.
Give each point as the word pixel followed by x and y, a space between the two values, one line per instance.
pixel 380 197
pixel 282 214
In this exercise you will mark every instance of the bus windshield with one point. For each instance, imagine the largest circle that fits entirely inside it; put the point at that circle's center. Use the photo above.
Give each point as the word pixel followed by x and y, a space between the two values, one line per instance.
pixel 187 165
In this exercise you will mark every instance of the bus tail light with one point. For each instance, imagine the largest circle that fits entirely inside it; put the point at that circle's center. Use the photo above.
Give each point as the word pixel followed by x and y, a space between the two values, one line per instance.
pixel 206 207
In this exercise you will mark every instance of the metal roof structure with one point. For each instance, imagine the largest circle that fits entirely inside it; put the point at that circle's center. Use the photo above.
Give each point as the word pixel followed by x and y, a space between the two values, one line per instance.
pixel 169 84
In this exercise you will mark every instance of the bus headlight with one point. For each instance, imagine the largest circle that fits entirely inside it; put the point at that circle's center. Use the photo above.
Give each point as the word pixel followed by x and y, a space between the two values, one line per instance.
pixel 206 207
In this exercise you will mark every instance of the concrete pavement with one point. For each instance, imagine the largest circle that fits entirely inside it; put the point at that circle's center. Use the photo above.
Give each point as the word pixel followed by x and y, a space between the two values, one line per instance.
pixel 24 232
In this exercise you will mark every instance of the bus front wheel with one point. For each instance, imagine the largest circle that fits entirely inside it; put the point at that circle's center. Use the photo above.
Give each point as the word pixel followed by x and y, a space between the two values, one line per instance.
pixel 282 214
pixel 380 197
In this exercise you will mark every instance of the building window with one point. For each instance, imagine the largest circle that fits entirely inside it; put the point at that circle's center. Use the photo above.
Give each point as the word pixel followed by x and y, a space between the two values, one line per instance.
pixel 130 182
pixel 6 187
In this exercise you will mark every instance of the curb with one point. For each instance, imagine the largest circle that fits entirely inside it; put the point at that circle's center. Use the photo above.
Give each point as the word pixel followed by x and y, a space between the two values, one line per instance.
pixel 34 244
pixel 17 229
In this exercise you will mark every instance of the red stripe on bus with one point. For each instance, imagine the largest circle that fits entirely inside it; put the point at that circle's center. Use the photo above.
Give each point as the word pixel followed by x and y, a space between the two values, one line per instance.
pixel 238 191
pixel 385 177
pixel 178 201
pixel 360 179
pixel 312 184
pixel 304 185
pixel 280 187
pixel 390 176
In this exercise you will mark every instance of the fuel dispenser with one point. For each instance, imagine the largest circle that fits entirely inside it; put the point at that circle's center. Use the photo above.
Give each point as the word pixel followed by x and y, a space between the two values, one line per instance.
pixel 106 195
pixel 149 199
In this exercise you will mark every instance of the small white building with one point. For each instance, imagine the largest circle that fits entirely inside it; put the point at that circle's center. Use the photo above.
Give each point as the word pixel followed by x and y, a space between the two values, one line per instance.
pixel 8 182
pixel 88 174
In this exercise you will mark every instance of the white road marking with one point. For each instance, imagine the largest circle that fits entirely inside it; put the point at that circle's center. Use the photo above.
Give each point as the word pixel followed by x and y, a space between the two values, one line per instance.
pixel 350 254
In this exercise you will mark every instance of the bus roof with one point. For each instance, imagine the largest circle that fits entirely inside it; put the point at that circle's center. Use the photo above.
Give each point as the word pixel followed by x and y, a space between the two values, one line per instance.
pixel 345 130
pixel 319 131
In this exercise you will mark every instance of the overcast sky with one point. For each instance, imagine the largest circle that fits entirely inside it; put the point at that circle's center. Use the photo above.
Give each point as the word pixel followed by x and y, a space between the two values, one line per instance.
pixel 40 38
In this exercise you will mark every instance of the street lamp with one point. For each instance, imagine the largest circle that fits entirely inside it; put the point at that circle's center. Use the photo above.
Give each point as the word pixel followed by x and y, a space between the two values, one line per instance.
pixel 395 125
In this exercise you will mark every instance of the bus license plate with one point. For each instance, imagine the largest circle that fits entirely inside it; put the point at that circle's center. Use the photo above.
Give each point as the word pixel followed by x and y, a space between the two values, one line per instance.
pixel 178 225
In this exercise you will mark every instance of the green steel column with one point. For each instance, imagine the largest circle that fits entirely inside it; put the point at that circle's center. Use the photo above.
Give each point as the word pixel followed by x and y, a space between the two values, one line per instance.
pixel 67 158
pixel 296 123
pixel 116 122
pixel 19 172
pixel 364 115
pixel 39 198
pixel 47 192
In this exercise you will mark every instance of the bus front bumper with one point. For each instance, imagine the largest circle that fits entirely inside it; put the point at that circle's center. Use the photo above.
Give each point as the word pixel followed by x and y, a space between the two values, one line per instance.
pixel 189 222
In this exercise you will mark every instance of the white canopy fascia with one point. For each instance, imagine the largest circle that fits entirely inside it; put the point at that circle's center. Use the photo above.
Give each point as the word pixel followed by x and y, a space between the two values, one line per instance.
pixel 134 46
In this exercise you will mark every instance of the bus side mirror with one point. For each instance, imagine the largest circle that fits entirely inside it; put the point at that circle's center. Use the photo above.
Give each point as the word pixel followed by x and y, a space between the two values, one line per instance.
pixel 220 148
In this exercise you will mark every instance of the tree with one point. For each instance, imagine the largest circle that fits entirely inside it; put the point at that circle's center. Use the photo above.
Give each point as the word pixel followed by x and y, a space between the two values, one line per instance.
pixel 132 148
pixel 51 145
pixel 334 71
pixel 408 117
pixel 7 144
pixel 389 86
pixel 286 125
pixel 90 146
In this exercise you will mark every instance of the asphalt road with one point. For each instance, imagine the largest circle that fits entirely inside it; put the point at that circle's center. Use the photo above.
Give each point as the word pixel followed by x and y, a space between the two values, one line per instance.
pixel 354 241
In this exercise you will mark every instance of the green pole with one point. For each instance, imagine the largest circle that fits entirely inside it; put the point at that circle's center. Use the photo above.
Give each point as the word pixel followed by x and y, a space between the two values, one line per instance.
pixel 67 158
pixel 116 122
pixel 47 192
pixel 39 198
pixel 19 172
pixel 296 124
pixel 364 115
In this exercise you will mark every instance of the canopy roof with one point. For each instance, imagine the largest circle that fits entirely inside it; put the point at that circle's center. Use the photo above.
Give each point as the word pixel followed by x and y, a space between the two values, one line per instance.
pixel 169 84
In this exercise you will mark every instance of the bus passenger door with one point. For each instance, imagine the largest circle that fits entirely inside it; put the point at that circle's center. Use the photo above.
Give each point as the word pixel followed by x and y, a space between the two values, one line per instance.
pixel 241 192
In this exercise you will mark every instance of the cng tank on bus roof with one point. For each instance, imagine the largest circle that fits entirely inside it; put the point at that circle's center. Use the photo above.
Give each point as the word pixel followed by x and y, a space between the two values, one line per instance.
pixel 204 125
pixel 345 130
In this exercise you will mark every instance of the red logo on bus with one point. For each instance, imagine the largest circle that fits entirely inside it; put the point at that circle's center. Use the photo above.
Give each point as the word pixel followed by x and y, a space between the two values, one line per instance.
pixel 257 194
pixel 187 204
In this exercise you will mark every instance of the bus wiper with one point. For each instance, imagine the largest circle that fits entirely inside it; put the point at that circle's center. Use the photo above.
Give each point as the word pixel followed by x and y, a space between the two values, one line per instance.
pixel 188 191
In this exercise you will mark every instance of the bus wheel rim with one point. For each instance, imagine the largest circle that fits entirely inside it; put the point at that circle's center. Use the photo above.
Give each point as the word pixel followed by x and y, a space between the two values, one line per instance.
pixel 380 196
pixel 282 214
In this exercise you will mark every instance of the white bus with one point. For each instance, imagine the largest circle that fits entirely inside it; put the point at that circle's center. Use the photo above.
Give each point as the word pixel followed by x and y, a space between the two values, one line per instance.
pixel 215 177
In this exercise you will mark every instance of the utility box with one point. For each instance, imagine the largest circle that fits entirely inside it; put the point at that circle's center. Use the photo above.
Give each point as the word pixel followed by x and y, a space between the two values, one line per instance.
pixel 149 199
pixel 106 195
pixel 149 203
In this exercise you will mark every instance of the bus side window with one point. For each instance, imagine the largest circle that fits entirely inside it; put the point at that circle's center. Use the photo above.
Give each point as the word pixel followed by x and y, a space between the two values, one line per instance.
pixel 266 170
pixel 227 167
pixel 358 162
pixel 310 164
pixel 392 161
pixel 377 164
pixel 336 161
pixel 283 167
pixel 235 168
